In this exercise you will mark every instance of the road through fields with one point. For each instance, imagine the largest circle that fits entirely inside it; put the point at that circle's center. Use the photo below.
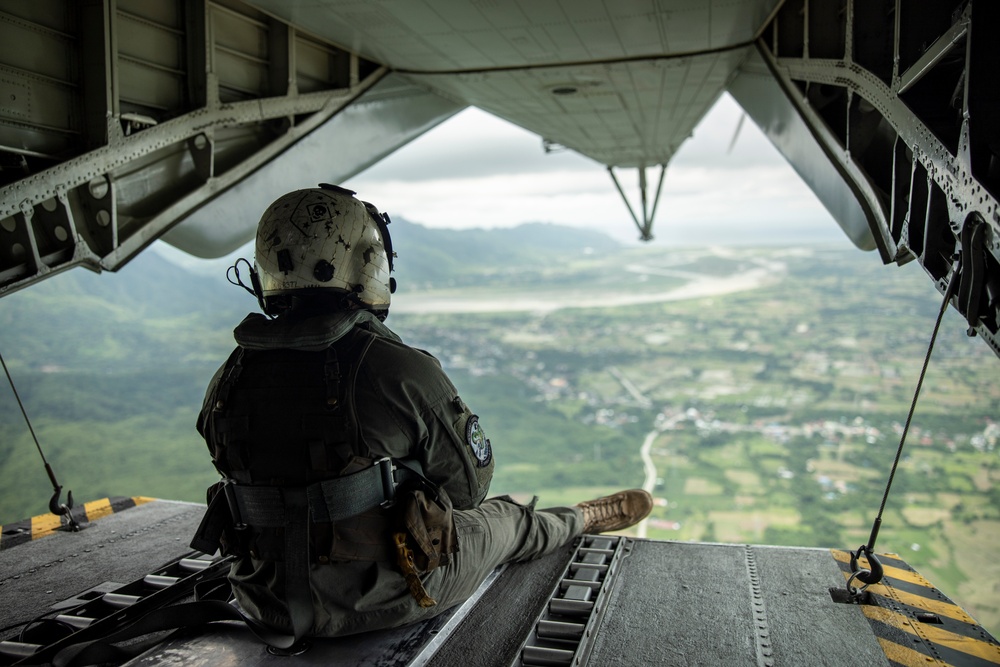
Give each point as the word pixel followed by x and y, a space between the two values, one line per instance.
pixel 650 471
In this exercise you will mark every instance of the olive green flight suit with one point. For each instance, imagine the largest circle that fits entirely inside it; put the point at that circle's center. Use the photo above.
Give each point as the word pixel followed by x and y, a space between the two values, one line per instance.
pixel 407 408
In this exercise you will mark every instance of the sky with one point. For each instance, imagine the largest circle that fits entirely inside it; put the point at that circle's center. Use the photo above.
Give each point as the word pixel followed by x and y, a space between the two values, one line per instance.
pixel 476 170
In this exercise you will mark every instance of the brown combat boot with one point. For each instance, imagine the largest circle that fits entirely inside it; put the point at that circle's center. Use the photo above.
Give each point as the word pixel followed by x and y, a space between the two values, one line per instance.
pixel 614 512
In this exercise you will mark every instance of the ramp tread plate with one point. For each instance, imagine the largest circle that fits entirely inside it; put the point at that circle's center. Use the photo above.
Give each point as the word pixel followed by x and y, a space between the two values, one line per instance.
pixel 120 547
pixel 489 635
pixel 694 604
pixel 492 633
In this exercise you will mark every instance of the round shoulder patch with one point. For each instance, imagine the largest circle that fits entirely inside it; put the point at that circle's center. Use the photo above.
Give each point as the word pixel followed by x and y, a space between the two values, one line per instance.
pixel 478 442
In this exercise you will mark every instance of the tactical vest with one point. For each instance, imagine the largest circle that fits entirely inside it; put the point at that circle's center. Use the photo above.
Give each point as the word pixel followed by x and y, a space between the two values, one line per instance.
pixel 286 419
pixel 301 484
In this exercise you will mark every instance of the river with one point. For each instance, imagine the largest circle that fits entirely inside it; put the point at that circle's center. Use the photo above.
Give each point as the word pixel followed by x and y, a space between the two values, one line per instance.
pixel 547 299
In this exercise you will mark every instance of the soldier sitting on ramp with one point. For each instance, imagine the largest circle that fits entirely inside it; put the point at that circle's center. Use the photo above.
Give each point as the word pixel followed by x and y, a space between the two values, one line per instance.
pixel 354 476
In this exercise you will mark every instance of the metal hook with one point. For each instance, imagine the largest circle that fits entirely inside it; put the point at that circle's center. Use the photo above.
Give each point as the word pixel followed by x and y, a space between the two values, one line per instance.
pixel 873 575
pixel 60 509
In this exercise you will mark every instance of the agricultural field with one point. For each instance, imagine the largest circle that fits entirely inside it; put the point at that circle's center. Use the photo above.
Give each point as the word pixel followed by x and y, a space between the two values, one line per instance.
pixel 777 406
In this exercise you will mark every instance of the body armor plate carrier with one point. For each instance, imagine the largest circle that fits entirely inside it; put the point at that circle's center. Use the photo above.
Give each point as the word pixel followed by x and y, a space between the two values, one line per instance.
pixel 283 431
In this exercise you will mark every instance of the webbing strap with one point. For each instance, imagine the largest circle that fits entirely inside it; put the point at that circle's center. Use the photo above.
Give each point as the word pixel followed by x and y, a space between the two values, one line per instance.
pixel 298 595
pixel 330 500
pixel 344 497
pixel 288 508
pixel 258 506
pixel 331 375
pixel 294 508
pixel 189 614
pixel 213 524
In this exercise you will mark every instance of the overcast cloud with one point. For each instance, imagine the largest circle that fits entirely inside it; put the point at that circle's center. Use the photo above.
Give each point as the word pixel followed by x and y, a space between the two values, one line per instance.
pixel 476 170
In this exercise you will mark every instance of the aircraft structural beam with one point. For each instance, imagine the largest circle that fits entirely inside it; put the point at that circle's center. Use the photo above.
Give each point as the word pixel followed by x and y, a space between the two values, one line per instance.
pixel 907 123
pixel 645 227
pixel 127 116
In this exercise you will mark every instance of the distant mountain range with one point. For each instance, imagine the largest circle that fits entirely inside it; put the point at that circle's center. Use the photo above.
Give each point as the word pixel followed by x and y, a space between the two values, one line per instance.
pixel 429 256
pixel 161 307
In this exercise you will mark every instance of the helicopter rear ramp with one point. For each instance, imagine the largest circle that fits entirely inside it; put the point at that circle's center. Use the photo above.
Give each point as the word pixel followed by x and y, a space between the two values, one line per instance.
pixel 607 600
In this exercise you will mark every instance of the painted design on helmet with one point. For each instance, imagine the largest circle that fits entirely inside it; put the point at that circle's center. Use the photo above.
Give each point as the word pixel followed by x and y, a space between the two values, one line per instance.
pixel 324 240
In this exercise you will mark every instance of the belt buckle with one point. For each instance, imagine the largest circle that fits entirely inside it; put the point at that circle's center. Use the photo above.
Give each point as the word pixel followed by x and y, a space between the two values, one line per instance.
pixel 229 488
pixel 387 472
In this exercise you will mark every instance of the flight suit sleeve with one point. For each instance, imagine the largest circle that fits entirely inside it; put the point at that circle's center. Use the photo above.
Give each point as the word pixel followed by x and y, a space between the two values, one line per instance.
pixel 457 448
pixel 408 408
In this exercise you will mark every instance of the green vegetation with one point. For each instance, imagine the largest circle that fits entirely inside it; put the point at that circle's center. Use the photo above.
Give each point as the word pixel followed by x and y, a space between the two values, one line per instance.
pixel 776 408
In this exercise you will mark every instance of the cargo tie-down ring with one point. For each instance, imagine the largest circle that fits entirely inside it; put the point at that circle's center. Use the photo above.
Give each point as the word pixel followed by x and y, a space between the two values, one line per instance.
pixel 869 576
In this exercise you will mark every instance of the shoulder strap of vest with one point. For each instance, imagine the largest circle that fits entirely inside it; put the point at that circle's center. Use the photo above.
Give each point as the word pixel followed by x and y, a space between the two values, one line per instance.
pixel 361 342
pixel 340 371
pixel 353 347
pixel 331 374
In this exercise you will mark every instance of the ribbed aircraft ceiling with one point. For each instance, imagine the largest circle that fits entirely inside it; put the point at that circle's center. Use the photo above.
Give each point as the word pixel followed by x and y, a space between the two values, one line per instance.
pixel 621 82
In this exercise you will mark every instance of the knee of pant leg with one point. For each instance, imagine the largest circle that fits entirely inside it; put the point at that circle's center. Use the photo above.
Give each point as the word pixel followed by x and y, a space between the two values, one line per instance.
pixel 508 499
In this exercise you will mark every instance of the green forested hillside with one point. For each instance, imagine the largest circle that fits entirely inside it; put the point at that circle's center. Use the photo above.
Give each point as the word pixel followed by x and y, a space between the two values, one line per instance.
pixel 112 368
pixel 443 258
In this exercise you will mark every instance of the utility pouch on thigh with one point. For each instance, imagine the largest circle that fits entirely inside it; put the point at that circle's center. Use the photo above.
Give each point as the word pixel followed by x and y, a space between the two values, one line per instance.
pixel 430 527
pixel 425 539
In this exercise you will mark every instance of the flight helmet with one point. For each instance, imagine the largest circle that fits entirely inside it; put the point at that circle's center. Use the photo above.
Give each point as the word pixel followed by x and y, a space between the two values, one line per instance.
pixel 323 242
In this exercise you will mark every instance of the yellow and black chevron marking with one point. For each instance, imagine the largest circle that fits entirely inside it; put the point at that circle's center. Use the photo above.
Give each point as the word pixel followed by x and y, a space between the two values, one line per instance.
pixel 916 624
pixel 19 532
